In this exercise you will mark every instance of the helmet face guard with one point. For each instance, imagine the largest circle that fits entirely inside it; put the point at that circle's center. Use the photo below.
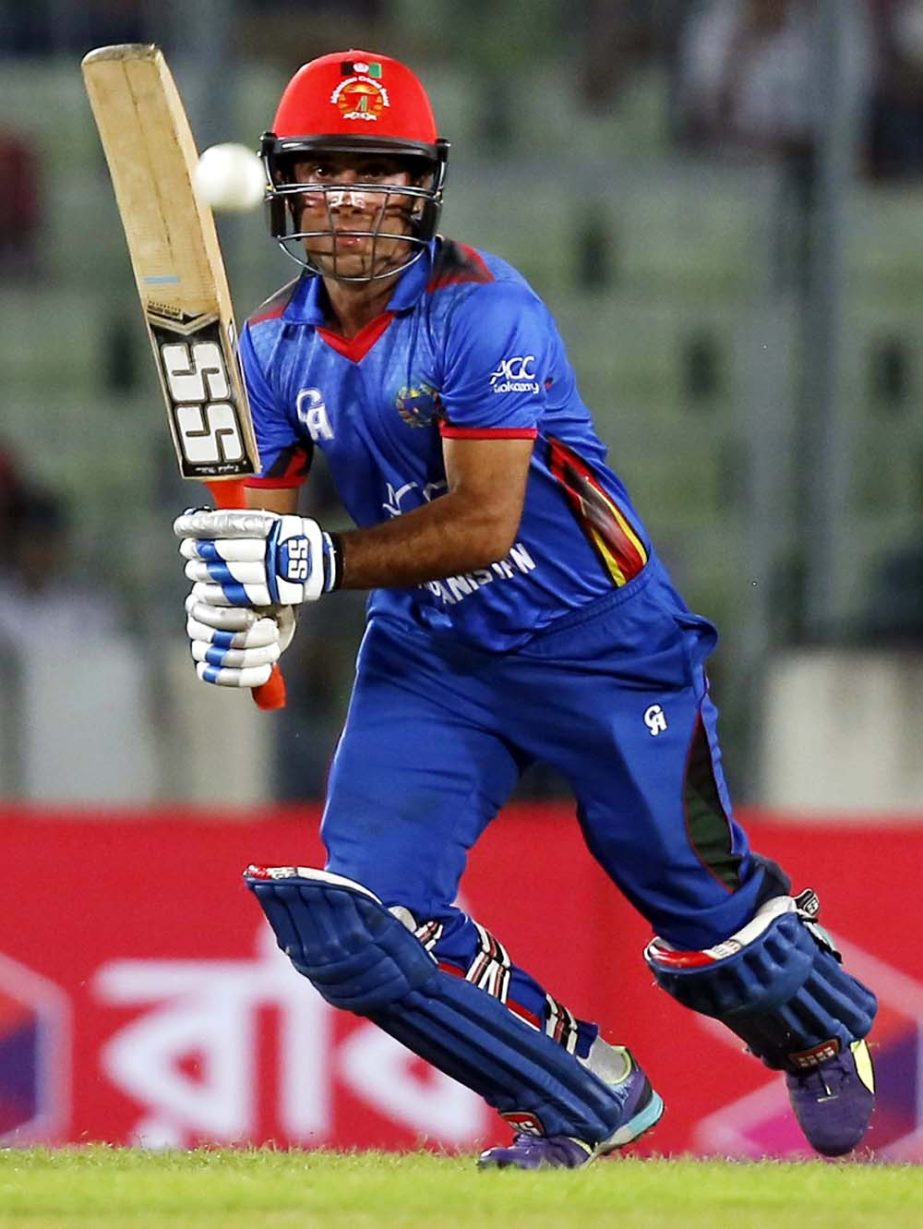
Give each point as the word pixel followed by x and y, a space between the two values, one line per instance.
pixel 420 201
pixel 354 104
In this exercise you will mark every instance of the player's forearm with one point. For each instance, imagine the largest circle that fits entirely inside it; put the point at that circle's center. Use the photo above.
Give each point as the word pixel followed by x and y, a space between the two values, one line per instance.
pixel 446 537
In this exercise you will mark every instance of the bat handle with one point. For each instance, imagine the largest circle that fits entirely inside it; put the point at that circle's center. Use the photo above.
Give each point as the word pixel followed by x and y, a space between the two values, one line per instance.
pixel 230 494
pixel 272 694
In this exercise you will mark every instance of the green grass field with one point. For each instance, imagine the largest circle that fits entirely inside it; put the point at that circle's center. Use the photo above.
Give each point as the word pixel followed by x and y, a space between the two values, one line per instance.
pixel 220 1189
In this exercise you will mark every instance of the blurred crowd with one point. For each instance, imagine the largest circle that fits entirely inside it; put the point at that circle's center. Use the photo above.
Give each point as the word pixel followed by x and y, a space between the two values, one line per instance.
pixel 43 602
pixel 743 72
pixel 742 69
pixel 746 71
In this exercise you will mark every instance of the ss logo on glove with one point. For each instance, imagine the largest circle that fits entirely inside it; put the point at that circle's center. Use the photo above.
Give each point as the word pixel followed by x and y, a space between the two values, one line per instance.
pixel 294 559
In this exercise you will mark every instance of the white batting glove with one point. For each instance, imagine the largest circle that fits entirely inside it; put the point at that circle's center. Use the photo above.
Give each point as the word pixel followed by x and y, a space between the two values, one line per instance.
pixel 234 647
pixel 256 559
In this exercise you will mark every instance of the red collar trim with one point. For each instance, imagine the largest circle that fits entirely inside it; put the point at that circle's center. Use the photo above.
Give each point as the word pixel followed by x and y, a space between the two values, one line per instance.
pixel 356 348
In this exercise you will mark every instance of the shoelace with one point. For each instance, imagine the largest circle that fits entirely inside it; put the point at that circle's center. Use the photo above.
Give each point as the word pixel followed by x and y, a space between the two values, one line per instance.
pixel 818 1081
pixel 525 1140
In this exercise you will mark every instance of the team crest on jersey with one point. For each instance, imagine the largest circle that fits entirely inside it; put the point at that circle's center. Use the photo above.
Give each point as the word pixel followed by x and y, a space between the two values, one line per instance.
pixel 419 405
pixel 360 97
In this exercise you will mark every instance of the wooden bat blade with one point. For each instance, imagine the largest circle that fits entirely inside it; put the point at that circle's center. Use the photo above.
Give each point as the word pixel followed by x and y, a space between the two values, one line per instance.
pixel 179 272
pixel 151 155
pixel 176 258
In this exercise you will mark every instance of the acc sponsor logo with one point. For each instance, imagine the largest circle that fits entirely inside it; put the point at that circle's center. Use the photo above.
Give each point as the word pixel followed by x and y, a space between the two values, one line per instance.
pixel 515 375
pixel 419 405
pixel 360 98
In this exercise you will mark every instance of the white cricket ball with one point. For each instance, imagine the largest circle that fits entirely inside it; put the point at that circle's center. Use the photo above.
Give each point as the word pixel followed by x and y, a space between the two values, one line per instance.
pixel 230 178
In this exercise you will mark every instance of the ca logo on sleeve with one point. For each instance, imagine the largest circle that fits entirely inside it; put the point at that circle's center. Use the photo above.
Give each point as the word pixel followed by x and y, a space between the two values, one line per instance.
pixel 312 412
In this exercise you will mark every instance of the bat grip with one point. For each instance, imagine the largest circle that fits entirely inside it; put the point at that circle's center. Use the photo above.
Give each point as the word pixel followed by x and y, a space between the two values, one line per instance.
pixel 231 494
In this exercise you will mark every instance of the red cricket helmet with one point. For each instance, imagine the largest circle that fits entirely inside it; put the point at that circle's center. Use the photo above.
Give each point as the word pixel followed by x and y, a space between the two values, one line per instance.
pixel 355 102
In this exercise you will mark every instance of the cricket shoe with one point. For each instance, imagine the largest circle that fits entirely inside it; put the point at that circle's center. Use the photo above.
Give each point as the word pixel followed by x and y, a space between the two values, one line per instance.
pixel 833 1102
pixel 641 1109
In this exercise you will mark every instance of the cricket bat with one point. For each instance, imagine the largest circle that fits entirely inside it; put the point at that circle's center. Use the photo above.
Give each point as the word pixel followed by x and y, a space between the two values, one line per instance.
pixel 179 272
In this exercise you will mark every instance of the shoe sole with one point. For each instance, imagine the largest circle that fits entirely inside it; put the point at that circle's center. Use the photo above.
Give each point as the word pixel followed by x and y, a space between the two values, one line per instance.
pixel 646 1118
pixel 629 1131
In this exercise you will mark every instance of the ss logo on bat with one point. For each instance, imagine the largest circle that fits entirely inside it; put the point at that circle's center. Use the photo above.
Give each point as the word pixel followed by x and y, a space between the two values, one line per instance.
pixel 210 436
pixel 206 420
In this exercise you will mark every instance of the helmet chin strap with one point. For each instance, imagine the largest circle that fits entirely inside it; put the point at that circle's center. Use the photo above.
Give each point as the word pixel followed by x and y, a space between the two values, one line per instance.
pixel 303 259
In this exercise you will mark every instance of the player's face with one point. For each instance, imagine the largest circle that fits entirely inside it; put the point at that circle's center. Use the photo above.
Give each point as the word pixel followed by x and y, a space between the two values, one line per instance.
pixel 354 209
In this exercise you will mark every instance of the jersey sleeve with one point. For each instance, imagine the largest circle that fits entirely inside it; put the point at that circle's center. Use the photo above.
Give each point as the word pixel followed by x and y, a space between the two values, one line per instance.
pixel 498 356
pixel 285 456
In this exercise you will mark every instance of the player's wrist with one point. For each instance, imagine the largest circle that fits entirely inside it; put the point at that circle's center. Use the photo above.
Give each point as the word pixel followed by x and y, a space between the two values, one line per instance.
pixel 333 563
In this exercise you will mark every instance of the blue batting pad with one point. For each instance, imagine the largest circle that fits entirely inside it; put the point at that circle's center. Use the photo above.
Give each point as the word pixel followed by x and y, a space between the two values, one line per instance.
pixel 783 991
pixel 362 958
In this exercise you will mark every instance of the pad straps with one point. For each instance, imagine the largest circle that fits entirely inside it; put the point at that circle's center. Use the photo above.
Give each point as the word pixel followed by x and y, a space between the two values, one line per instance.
pixel 361 957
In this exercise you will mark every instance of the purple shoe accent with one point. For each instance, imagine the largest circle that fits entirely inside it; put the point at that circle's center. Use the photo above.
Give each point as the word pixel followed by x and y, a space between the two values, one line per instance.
pixel 833 1102
pixel 641 1109
pixel 537 1152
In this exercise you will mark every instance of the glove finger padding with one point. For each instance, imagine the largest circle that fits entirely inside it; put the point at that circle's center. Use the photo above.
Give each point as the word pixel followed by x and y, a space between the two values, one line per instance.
pixel 236 647
pixel 251 677
pixel 223 618
pixel 231 550
pixel 262 633
pixel 245 573
pixel 253 558
pixel 232 594
pixel 221 523
pixel 236 659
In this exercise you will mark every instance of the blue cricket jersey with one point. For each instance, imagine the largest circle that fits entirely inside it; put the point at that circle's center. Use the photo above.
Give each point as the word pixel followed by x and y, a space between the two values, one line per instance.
pixel 466 349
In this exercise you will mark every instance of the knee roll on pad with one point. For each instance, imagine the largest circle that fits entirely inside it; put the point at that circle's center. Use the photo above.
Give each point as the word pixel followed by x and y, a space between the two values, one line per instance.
pixel 337 933
pixel 777 983
pixel 360 957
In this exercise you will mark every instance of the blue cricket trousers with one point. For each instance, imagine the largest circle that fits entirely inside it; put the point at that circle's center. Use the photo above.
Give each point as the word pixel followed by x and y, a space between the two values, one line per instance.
pixel 614 696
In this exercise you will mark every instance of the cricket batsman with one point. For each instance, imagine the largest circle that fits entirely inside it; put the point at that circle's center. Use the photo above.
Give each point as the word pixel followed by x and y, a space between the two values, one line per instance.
pixel 518 612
